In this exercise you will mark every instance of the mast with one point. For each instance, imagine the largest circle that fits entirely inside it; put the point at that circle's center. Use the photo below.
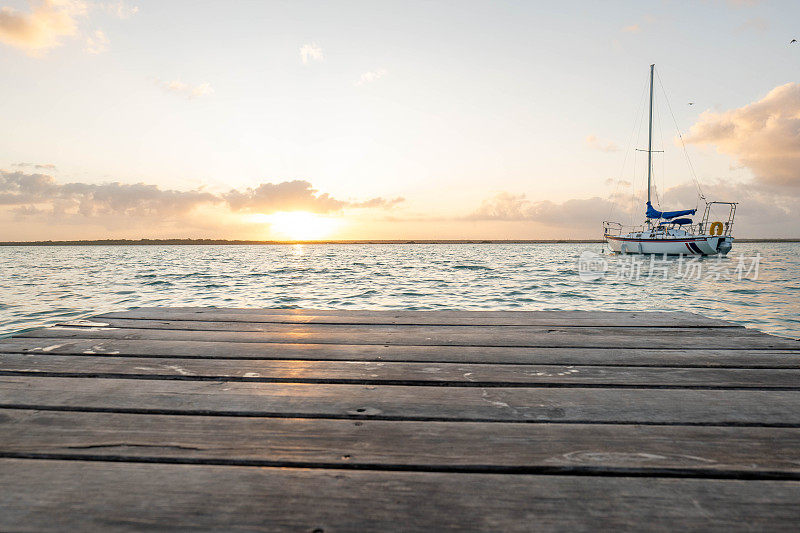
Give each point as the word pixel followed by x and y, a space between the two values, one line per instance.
pixel 650 137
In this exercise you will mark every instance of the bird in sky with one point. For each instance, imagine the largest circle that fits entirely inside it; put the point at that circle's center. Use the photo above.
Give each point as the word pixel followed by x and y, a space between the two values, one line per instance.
pixel 691 103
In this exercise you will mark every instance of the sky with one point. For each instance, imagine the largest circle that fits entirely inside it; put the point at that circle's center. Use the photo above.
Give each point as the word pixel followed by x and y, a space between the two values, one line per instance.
pixel 391 120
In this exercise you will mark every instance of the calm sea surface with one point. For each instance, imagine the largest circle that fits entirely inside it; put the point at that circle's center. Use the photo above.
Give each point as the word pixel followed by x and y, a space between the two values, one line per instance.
pixel 43 285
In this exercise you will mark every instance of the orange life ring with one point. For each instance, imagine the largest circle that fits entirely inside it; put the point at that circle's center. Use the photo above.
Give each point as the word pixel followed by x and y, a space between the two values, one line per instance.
pixel 716 228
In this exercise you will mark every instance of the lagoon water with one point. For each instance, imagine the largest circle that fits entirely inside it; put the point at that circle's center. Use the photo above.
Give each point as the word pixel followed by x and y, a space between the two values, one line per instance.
pixel 44 285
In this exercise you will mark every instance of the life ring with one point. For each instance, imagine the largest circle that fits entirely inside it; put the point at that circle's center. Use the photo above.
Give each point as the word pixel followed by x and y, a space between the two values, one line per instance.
pixel 716 228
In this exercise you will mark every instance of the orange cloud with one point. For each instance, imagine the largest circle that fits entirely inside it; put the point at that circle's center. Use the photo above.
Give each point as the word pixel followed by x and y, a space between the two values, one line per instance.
pixel 43 27
pixel 296 195
pixel 41 194
pixel 763 136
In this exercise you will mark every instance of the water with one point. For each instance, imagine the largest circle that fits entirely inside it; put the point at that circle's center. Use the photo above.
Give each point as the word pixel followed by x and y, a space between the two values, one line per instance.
pixel 43 285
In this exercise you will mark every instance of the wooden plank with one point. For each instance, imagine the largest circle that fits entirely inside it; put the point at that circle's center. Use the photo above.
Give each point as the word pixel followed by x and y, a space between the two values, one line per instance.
pixel 73 495
pixel 454 354
pixel 410 330
pixel 543 339
pixel 441 446
pixel 453 374
pixel 452 313
pixel 428 318
pixel 401 312
pixel 606 405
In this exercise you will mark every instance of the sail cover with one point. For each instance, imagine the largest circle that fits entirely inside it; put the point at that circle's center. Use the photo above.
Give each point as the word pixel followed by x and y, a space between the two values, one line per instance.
pixel 678 221
pixel 654 213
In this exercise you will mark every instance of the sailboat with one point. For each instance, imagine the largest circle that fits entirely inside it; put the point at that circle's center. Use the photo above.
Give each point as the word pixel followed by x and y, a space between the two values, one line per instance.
pixel 671 232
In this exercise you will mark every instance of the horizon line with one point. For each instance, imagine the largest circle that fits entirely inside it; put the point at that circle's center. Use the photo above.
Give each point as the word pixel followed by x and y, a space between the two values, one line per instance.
pixel 234 242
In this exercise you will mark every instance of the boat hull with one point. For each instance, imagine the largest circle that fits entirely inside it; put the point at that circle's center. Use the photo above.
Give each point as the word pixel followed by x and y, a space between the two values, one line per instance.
pixel 699 245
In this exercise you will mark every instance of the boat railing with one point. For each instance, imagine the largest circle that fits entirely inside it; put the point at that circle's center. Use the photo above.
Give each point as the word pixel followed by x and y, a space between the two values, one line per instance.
pixel 706 224
pixel 655 230
pixel 612 228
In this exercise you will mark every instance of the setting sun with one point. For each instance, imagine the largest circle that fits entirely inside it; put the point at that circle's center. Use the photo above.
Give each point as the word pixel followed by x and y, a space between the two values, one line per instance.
pixel 300 225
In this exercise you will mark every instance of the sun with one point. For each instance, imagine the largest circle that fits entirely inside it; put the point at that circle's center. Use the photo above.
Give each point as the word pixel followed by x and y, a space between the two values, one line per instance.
pixel 301 225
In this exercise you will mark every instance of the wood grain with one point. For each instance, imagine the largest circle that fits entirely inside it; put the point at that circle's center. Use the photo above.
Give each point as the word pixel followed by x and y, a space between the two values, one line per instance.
pixel 440 446
pixel 576 338
pixel 354 420
pixel 432 318
pixel 652 406
pixel 72 495
pixel 608 356
pixel 451 374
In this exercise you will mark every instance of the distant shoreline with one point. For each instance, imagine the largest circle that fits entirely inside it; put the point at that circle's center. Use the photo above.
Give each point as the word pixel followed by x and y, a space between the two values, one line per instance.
pixel 226 242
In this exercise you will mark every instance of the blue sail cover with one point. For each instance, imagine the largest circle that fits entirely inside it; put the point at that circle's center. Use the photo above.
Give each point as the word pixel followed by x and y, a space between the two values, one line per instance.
pixel 678 221
pixel 654 213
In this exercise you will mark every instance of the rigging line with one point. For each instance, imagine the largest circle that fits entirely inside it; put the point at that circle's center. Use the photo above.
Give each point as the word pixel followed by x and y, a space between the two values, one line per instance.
pixel 683 143
pixel 628 151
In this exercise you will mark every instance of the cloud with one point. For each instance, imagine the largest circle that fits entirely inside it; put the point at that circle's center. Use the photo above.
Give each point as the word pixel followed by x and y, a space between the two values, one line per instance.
pixel 378 202
pixel 37 200
pixel 42 28
pixel 617 182
pixel 297 195
pixel 37 194
pixel 120 9
pixel 504 206
pixel 40 193
pixel 36 166
pixel 516 207
pixel 763 136
pixel 603 146
pixel 311 52
pixel 763 210
pixel 371 76
pixel 97 42
pixel 633 28
pixel 184 89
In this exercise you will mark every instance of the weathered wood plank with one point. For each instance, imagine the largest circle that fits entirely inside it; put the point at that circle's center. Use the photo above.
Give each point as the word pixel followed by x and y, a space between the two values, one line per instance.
pixel 451 313
pixel 453 374
pixel 309 334
pixel 431 318
pixel 411 330
pixel 410 312
pixel 442 446
pixel 454 354
pixel 72 495
pixel 651 406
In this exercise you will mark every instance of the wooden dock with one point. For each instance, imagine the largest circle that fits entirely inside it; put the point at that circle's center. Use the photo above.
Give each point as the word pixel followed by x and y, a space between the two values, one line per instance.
pixel 327 421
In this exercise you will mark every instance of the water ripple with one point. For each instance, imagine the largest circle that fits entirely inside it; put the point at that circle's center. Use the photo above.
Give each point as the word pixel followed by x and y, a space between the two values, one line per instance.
pixel 41 286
